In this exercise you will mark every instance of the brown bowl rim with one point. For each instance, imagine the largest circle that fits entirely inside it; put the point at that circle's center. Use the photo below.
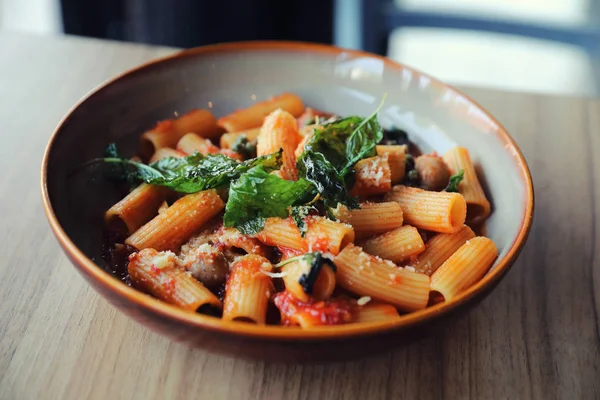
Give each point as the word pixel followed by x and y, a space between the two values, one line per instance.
pixel 200 321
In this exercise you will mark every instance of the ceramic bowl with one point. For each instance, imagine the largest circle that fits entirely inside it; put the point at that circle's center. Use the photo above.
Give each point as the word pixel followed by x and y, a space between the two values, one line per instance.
pixel 230 76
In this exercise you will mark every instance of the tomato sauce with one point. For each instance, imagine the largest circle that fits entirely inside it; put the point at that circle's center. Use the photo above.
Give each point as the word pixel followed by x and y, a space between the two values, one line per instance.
pixel 318 312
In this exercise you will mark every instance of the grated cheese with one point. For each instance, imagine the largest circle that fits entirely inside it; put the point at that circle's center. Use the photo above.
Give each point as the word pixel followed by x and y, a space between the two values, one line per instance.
pixel 162 260
pixel 274 274
pixel 363 300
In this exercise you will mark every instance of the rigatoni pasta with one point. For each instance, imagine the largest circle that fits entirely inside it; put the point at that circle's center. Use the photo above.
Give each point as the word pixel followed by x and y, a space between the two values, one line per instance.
pixel 254 115
pixel 396 245
pixel 280 131
pixel 435 211
pixel 169 230
pixel 282 233
pixel 228 139
pixel 167 133
pixel 373 176
pixel 371 218
pixel 165 152
pixel 396 157
pixel 138 207
pixel 192 142
pixel 328 236
pixel 299 225
pixel 159 274
pixel 368 275
pixel 248 290
pixel 465 267
pixel 478 206
pixel 376 313
pixel 439 248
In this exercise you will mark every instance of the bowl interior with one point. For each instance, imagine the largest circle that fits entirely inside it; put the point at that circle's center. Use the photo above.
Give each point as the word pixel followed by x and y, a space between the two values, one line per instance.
pixel 436 117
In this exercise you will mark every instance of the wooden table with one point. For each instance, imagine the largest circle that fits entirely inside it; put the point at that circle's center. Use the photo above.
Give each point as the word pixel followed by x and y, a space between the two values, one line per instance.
pixel 536 335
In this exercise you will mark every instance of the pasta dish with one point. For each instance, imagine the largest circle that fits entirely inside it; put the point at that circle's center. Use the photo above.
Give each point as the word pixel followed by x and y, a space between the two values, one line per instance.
pixel 282 214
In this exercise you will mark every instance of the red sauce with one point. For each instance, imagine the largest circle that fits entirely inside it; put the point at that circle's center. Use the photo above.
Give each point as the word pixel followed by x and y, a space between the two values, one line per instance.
pixel 286 252
pixel 319 312
pixel 395 280
pixel 320 244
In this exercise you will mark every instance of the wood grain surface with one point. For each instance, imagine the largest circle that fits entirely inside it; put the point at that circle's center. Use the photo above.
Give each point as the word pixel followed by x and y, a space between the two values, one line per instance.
pixel 535 336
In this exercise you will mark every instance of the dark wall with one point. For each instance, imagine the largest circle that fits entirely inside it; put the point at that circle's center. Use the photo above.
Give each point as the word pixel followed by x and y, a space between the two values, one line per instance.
pixel 188 23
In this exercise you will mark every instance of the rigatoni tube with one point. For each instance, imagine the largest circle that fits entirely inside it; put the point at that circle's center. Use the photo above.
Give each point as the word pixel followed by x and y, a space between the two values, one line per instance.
pixel 158 273
pixel 478 206
pixel 165 152
pixel 169 230
pixel 439 248
pixel 373 312
pixel 138 207
pixel 465 267
pixel 167 133
pixel 396 160
pixel 367 275
pixel 327 236
pixel 253 116
pixel 282 233
pixel 371 218
pixel 192 142
pixel 373 176
pixel 396 245
pixel 280 131
pixel 248 290
pixel 228 139
pixel 433 211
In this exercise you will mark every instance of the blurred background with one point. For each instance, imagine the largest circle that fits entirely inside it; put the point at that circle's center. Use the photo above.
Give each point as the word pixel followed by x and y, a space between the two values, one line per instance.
pixel 547 46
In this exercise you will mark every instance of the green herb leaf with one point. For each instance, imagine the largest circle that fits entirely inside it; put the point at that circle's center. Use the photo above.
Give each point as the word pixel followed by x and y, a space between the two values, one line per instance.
pixel 454 181
pixel 118 172
pixel 257 195
pixel 244 147
pixel 329 157
pixel 194 173
pixel 363 141
pixel 316 168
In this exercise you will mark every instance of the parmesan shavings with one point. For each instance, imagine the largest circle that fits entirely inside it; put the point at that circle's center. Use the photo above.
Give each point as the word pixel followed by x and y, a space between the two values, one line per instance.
pixel 274 274
pixel 363 300
pixel 162 260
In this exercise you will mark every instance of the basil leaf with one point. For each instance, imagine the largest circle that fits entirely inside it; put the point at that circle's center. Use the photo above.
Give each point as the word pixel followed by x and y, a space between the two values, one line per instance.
pixel 257 195
pixel 316 168
pixel 194 173
pixel 363 141
pixel 329 156
pixel 330 140
pixel 454 181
